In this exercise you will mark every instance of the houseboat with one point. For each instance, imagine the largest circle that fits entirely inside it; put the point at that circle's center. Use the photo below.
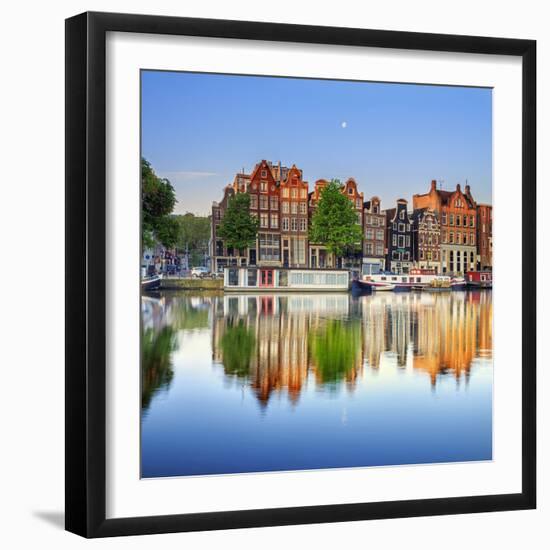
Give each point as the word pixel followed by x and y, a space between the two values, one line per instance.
pixel 479 279
pixel 272 279
pixel 416 279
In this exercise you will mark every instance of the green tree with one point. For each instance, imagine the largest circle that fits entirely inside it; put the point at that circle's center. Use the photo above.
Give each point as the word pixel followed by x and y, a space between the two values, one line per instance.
pixel 238 227
pixel 158 199
pixel 334 223
pixel 193 236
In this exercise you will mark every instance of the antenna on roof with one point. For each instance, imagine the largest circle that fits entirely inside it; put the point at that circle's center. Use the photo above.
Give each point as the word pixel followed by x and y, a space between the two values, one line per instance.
pixel 441 182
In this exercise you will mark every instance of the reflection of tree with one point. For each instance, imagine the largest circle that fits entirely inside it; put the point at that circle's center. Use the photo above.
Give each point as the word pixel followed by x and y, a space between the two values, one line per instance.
pixel 335 350
pixel 237 345
pixel 187 316
pixel 156 362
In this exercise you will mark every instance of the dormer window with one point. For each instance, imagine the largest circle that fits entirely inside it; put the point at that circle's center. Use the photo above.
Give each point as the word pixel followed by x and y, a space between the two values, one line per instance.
pixel 350 191
pixel 402 215
pixel 264 173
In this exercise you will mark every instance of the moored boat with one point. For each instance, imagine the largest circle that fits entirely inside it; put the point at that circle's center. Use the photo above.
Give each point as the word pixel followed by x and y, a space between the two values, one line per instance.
pixel 272 279
pixel 151 283
pixel 479 279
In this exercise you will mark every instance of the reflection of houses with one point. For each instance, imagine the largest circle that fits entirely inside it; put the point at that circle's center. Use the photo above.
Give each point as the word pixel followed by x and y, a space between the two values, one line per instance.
pixel 282 342
pixel 280 329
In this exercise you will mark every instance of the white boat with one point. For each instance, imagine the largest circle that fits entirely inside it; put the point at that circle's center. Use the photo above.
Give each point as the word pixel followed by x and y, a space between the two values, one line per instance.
pixel 151 283
pixel 417 279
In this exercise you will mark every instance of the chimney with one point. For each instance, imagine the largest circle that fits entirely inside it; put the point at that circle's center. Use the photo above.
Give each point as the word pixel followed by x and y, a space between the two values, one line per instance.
pixel 434 184
pixel 467 189
pixel 458 186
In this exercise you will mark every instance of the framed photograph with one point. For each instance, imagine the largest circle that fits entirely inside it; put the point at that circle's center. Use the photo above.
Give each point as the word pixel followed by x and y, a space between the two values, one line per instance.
pixel 300 274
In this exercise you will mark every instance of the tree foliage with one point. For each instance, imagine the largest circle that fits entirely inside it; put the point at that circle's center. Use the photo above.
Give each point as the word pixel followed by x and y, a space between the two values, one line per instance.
pixel 334 223
pixel 158 199
pixel 238 227
pixel 193 236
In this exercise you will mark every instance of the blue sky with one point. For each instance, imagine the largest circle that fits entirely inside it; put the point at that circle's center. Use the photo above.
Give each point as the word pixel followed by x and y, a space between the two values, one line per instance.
pixel 198 130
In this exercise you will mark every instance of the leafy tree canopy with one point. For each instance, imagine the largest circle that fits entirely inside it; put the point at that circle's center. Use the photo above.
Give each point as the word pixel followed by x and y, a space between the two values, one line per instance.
pixel 238 227
pixel 334 222
pixel 158 199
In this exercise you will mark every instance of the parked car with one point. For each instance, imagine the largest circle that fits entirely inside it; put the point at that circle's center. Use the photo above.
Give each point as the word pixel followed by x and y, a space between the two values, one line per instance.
pixel 199 272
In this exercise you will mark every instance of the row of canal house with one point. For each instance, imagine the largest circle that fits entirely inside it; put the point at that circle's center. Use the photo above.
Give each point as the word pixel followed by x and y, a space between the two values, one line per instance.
pixel 446 231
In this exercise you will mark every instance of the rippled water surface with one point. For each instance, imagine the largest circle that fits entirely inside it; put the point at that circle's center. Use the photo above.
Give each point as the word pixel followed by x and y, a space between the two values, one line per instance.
pixel 250 383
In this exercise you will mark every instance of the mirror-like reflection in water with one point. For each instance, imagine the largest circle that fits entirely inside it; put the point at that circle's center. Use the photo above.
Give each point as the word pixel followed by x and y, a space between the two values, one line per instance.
pixel 250 383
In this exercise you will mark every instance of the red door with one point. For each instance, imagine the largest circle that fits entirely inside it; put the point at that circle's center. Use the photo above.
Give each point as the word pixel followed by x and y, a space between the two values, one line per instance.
pixel 266 277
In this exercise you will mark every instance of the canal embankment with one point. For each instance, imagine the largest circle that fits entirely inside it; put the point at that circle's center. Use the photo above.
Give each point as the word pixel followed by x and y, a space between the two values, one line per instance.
pixel 191 284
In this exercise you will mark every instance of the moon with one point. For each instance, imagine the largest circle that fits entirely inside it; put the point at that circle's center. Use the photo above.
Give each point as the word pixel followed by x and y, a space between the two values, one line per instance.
pixel 344 124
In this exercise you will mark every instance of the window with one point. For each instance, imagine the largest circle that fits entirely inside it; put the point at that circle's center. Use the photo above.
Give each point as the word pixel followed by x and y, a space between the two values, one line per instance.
pixel 254 201
pixel 350 191
pixel 458 219
pixel 451 237
pixel 408 240
pixel 406 256
pixel 283 278
pixel 294 193
pixel 421 254
pixel 465 238
pixel 380 234
pixel 394 240
pixel 293 224
pixel 471 257
pixel 263 186
pixel 263 203
pixel 451 219
pixel 444 218
pixel 274 221
pixel 269 246
pixel 395 255
pixel 299 250
pixel 303 193
pixel 369 234
pixel 303 224
pixel 394 226
pixel 379 250
pixel 285 207
pixel 358 203
pixel 274 203
pixel 285 224
pixel 285 192
pixel 402 215
pixel 368 249
pixel 368 219
pixel 444 237
pixel 401 228
pixel 472 221
pixel 233 277
pixel 465 221
pixel 264 221
pixel 303 208
pixel 293 208
pixel 401 241
pixel 359 218
pixel 252 277
pixel 264 173
pixel 458 238
pixel 472 239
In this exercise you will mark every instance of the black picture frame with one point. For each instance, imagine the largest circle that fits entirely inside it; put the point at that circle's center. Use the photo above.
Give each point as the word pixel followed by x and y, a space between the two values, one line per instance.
pixel 86 277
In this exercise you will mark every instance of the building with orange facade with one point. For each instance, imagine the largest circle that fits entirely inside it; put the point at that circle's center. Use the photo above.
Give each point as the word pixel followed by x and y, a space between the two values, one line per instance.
pixel 425 237
pixel 457 213
pixel 485 236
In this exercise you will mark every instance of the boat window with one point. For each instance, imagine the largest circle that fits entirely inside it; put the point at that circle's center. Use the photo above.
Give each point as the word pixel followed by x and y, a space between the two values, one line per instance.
pixel 404 279
pixel 383 278
pixel 394 278
pixel 418 279
pixel 283 277
pixel 233 277
pixel 252 277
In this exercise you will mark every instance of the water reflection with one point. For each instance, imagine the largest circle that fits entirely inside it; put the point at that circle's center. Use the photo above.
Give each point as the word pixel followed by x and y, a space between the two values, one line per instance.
pixel 277 341
pixel 315 380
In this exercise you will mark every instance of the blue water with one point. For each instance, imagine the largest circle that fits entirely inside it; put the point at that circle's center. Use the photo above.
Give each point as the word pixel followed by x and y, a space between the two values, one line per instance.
pixel 253 383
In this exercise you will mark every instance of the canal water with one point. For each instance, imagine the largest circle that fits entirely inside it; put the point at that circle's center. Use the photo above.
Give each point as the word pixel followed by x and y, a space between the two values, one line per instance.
pixel 260 382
